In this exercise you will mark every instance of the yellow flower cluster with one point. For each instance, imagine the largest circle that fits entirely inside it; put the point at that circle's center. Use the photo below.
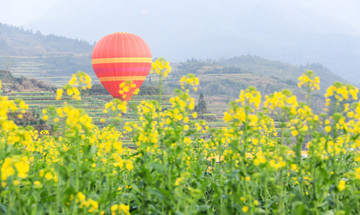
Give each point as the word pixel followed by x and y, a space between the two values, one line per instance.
pixel 120 209
pixel 302 121
pixel 250 96
pixel 74 92
pixel 49 174
pixel 357 173
pixel 309 80
pixel 116 105
pixel 10 133
pixel 161 67
pixel 283 100
pixel 260 158
pixel 340 92
pixel 59 94
pixel 107 141
pixel 81 79
pixel 91 205
pixel 190 80
pixel 78 82
pixel 342 185
pixel 75 119
pixel 7 106
pixel 277 164
pixel 147 128
pixel 181 105
pixel 15 165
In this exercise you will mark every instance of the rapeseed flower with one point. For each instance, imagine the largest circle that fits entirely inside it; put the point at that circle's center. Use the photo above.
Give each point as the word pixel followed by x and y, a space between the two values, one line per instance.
pixel 341 186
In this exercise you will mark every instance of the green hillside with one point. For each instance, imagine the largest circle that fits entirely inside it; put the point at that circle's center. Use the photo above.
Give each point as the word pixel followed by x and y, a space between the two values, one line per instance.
pixel 48 58
pixel 15 41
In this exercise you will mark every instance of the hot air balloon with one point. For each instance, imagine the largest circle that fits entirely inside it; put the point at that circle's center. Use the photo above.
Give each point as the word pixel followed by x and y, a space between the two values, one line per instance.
pixel 121 57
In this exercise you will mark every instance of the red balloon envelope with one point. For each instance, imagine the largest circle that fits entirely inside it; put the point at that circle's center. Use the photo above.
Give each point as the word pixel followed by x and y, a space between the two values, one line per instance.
pixel 120 57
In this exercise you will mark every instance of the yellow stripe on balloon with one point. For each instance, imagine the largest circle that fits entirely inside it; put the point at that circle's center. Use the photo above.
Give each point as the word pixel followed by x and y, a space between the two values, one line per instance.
pixel 122 60
pixel 123 78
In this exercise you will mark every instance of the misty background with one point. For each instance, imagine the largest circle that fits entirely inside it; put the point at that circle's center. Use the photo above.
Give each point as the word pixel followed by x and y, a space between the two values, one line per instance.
pixel 296 32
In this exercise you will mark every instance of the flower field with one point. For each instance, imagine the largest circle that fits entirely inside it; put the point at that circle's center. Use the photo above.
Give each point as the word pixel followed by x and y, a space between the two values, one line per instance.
pixel 274 156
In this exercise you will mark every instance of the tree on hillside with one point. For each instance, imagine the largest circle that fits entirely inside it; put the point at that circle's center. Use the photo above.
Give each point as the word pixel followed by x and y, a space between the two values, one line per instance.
pixel 201 107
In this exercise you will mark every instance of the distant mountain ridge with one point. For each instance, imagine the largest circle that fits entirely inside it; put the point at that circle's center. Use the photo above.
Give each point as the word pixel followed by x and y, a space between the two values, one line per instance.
pixel 282 70
pixel 17 41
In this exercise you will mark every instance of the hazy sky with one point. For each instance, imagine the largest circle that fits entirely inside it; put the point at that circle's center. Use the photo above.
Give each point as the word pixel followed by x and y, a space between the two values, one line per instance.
pixel 307 12
pixel 293 31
